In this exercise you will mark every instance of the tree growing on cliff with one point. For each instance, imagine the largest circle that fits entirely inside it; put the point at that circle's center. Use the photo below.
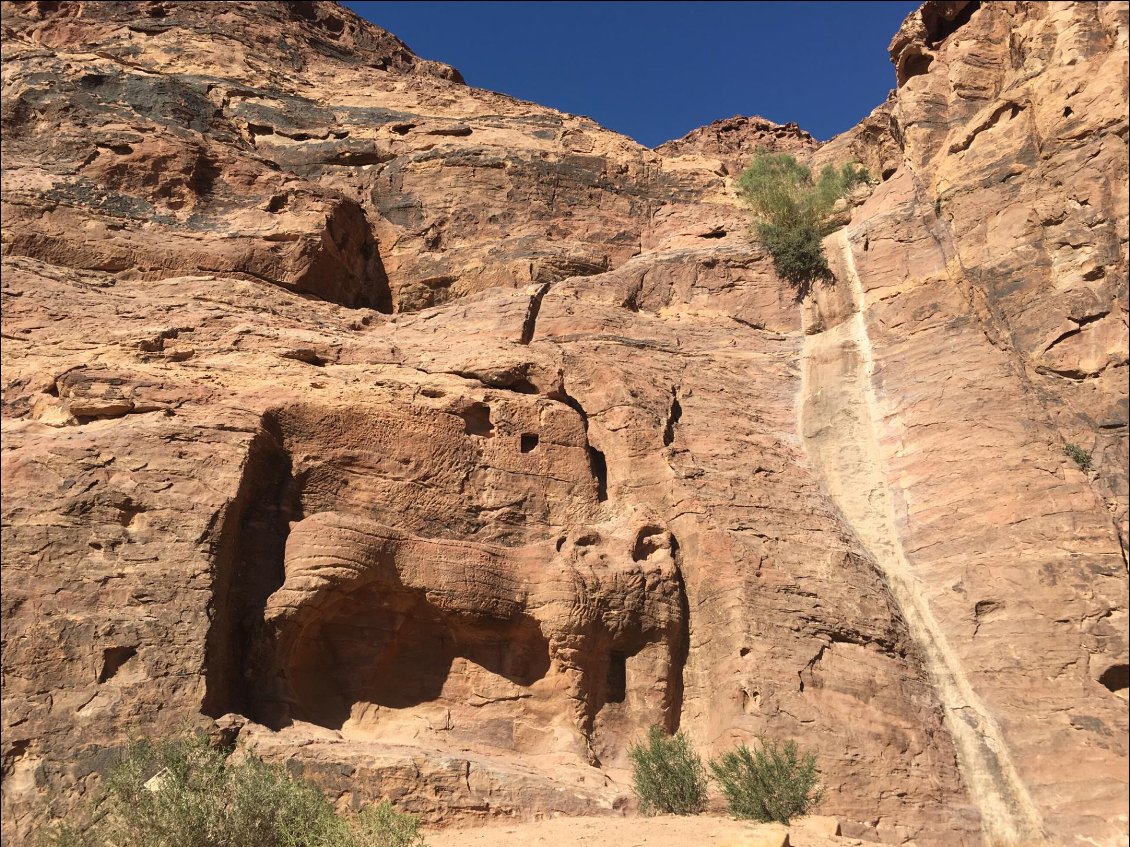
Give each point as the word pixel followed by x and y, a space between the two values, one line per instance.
pixel 792 212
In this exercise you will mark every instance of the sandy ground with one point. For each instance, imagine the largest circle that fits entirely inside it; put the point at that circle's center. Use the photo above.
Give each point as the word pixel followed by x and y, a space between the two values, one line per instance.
pixel 663 831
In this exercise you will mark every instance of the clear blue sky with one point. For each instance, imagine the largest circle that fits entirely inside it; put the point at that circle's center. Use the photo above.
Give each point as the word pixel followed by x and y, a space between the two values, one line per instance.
pixel 656 70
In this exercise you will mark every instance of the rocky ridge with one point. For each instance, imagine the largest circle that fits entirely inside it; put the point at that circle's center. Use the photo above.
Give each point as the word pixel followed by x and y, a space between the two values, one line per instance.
pixel 439 443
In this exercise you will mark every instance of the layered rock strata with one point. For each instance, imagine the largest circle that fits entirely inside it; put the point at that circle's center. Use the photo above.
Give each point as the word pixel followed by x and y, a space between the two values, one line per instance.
pixel 442 443
pixel 998 246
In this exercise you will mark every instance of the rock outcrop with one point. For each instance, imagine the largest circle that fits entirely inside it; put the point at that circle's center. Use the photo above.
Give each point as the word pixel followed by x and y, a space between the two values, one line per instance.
pixel 991 265
pixel 441 443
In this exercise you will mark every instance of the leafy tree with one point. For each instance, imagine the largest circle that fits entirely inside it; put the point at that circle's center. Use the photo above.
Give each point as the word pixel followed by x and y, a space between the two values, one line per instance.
pixel 793 212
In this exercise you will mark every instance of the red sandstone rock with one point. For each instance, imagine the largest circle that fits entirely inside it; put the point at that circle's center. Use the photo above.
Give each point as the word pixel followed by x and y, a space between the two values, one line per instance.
pixel 989 276
pixel 444 443
pixel 735 140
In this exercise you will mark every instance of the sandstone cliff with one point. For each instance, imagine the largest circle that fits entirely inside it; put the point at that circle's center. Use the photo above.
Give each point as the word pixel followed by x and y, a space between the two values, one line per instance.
pixel 440 443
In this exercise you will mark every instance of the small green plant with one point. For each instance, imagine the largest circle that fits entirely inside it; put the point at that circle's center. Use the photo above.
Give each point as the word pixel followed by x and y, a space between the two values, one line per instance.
pixel 1080 456
pixel 793 212
pixel 667 774
pixel 773 783
pixel 184 792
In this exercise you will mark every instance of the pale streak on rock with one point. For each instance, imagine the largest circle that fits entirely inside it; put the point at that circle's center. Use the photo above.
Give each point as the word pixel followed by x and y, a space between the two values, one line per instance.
pixel 839 425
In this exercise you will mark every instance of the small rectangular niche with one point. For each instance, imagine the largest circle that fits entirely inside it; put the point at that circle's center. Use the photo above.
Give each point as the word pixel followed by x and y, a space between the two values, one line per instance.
pixel 617 678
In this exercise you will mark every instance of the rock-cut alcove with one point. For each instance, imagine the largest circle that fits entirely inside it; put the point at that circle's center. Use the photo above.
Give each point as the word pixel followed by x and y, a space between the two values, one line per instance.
pixel 248 568
pixel 380 650
pixel 345 600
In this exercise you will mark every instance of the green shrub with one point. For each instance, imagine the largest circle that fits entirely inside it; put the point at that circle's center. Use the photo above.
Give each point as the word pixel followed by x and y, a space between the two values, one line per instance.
pixel 793 212
pixel 1080 456
pixel 383 826
pixel 667 774
pixel 772 783
pixel 798 254
pixel 836 183
pixel 266 806
pixel 63 834
pixel 185 793
pixel 779 189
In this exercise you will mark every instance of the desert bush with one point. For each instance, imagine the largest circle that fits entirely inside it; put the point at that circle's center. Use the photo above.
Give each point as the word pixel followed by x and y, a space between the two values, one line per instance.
pixel 184 792
pixel 64 834
pixel 383 825
pixel 793 212
pixel 798 254
pixel 834 183
pixel 773 783
pixel 667 774
pixel 1080 456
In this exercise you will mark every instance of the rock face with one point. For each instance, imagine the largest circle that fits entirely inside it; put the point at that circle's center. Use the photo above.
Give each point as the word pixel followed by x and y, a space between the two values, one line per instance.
pixel 986 326
pixel 735 141
pixel 441 443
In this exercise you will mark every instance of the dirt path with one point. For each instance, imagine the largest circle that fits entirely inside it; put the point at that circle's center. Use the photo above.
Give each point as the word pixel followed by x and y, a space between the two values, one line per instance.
pixel 663 831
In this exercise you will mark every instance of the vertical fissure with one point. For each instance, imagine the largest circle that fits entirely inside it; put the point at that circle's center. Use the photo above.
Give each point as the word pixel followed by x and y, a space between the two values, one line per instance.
pixel 673 418
pixel 680 650
pixel 530 322
pixel 248 568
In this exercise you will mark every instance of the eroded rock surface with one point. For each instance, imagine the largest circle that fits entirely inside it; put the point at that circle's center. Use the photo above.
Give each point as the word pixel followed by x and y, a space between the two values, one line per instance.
pixel 443 443
pixel 977 328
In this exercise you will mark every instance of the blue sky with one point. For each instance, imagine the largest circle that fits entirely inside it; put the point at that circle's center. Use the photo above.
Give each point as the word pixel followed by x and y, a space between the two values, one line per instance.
pixel 656 70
